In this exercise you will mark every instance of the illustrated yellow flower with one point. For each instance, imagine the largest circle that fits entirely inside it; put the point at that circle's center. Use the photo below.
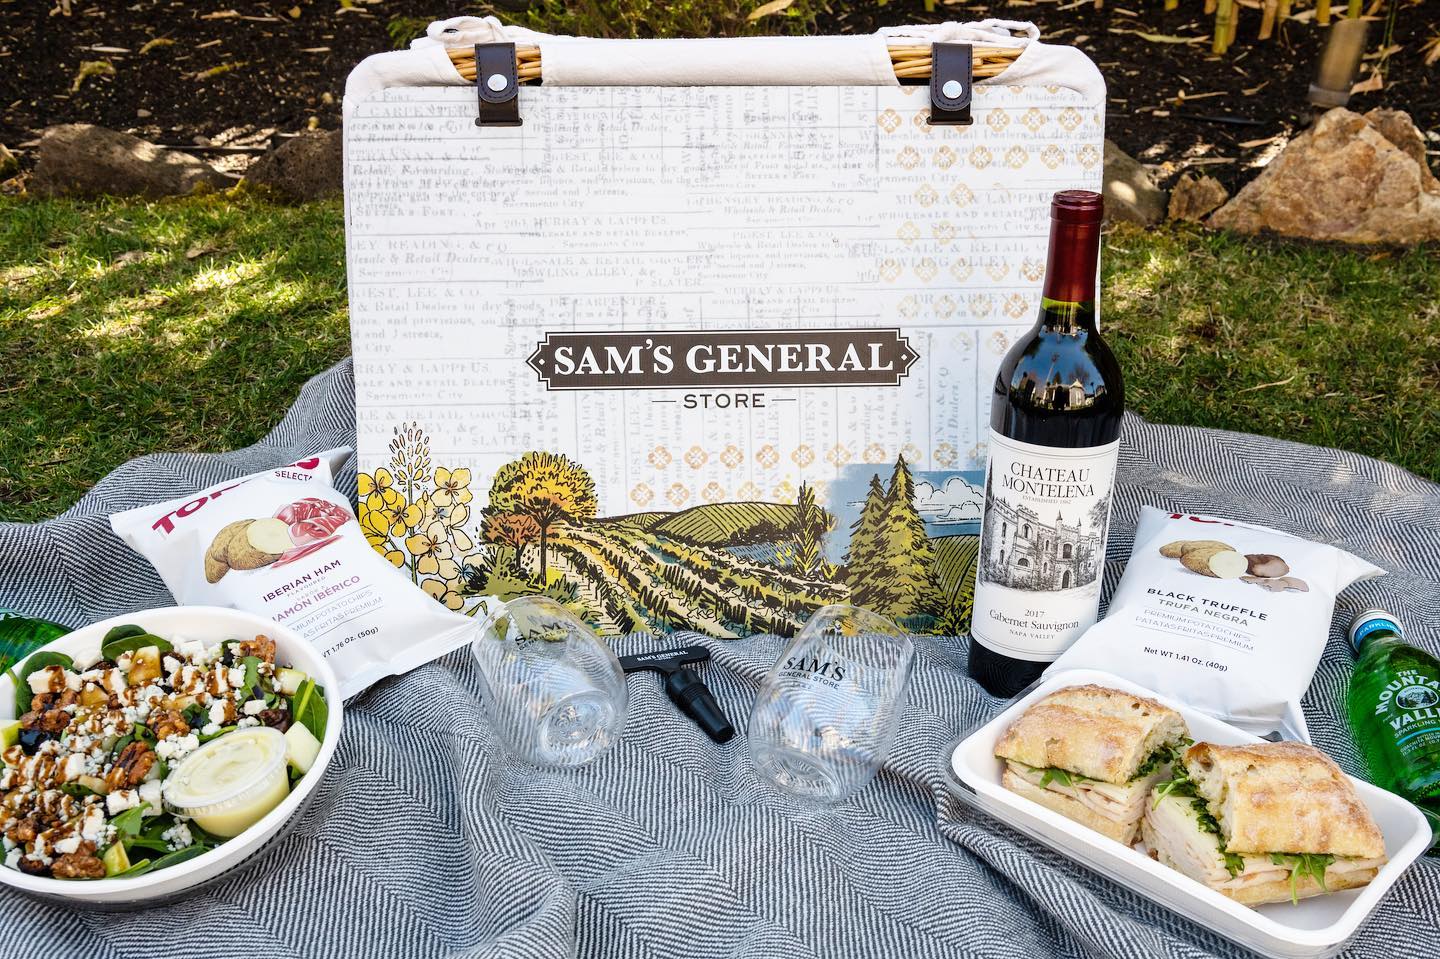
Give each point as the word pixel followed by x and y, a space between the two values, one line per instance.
pixel 432 552
pixel 451 488
pixel 453 517
pixel 381 480
pixel 446 591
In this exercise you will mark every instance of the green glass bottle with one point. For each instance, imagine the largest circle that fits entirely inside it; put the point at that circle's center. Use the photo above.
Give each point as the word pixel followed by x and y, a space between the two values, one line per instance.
pixel 20 636
pixel 1394 706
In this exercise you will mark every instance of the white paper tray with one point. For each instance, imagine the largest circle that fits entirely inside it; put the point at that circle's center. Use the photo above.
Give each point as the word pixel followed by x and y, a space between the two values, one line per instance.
pixel 1317 927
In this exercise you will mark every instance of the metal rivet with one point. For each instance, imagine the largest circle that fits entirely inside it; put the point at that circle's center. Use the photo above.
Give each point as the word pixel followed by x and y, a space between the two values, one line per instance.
pixel 951 89
pixel 497 82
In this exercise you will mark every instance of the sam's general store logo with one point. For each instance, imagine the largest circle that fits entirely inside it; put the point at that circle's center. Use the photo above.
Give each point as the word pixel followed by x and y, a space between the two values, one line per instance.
pixel 722 358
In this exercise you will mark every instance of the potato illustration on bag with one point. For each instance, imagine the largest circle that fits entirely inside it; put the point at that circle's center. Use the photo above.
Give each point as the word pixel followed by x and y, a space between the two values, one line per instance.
pixel 1209 557
pixel 296 530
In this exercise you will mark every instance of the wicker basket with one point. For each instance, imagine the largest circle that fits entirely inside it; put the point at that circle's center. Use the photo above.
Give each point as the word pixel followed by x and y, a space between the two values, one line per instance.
pixel 911 61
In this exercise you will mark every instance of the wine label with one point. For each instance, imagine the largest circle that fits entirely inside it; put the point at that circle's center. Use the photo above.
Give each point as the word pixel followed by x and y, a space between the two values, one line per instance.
pixel 1042 546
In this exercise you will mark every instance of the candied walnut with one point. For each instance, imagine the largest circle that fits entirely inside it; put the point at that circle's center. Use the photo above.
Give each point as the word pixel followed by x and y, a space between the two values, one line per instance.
pixel 167 723
pixel 79 865
pixel 131 767
pixel 261 646
pixel 22 830
pixel 44 702
pixel 37 867
pixel 52 721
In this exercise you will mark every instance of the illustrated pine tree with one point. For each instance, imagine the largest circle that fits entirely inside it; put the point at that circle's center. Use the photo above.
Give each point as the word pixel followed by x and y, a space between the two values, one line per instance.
pixel 907 551
pixel 806 550
pixel 864 568
pixel 550 489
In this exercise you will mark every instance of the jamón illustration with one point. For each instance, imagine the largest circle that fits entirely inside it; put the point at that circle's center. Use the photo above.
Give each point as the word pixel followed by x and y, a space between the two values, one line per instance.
pixel 297 530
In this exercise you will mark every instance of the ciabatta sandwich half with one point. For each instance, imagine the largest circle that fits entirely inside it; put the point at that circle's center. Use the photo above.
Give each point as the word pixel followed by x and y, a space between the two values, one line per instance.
pixel 1262 823
pixel 1092 754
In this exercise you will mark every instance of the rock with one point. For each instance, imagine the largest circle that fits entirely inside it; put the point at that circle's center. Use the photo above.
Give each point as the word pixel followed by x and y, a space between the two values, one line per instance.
pixel 1130 194
pixel 1194 198
pixel 80 159
pixel 306 167
pixel 1350 178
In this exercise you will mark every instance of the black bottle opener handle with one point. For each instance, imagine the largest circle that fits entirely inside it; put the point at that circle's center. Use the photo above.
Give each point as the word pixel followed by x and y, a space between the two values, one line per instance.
pixel 685 689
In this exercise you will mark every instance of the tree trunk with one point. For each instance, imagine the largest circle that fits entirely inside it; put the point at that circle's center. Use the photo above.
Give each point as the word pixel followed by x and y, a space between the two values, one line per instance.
pixel 543 582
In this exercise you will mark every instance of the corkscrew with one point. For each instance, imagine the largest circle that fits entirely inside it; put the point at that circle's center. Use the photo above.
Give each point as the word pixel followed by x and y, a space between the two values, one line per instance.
pixel 685 689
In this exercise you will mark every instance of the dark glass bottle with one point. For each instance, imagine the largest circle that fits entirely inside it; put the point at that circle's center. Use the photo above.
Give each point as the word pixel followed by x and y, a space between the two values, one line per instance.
pixel 1054 438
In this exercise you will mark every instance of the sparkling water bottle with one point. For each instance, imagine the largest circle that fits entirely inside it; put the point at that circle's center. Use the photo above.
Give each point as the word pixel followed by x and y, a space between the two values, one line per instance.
pixel 20 636
pixel 1394 706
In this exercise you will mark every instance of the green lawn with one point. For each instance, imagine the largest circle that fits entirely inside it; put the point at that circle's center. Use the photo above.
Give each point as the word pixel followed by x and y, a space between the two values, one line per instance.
pixel 129 327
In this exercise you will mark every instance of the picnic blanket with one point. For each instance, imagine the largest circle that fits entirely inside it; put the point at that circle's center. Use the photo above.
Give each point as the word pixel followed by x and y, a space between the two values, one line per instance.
pixel 425 842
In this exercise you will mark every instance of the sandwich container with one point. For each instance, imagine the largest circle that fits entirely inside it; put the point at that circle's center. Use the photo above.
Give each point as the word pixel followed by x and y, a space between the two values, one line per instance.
pixel 1320 926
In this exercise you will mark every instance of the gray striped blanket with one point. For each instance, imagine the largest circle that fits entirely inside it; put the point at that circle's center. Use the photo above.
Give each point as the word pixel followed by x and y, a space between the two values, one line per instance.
pixel 424 842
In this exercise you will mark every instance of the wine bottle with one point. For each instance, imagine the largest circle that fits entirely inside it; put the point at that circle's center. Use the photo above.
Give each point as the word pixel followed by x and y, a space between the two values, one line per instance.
pixel 1054 439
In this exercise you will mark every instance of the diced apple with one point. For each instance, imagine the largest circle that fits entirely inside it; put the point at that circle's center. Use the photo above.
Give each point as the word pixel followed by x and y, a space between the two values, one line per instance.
pixel 301 747
pixel 93 783
pixel 115 859
pixel 144 665
pixel 287 681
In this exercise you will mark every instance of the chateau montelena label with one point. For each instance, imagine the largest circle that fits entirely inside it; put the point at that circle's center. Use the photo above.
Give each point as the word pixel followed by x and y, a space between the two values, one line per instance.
pixel 1042 546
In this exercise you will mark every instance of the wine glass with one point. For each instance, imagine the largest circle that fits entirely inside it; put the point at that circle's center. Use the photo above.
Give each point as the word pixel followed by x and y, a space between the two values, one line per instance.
pixel 555 693
pixel 829 708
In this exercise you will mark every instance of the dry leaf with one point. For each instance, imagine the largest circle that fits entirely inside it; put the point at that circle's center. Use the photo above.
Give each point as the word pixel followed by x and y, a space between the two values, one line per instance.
pixel 156 44
pixel 1158 37
pixel 294 13
pixel 765 9
pixel 1369 85
pixel 129 256
pixel 91 68
pixel 220 15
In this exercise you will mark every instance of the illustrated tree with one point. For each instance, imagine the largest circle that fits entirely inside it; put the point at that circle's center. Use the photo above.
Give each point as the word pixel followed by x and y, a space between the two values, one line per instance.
pixel 890 566
pixel 807 532
pixel 550 489
pixel 906 550
pixel 515 530
pixel 862 558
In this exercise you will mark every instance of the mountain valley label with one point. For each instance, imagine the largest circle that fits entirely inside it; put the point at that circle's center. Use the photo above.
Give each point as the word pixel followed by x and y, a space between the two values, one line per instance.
pixel 1042 546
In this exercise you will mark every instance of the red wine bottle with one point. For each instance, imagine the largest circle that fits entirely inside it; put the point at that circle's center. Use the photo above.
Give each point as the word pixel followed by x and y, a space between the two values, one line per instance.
pixel 1054 439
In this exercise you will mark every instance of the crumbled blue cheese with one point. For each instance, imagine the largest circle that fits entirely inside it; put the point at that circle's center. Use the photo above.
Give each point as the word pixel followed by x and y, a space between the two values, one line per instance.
pixel 254 707
pixel 172 748
pixel 75 766
pixel 94 828
pixel 209 729
pixel 67 845
pixel 178 836
pixel 247 722
pixel 191 649
pixel 121 800
pixel 150 792
pixel 12 858
pixel 236 676
pixel 217 712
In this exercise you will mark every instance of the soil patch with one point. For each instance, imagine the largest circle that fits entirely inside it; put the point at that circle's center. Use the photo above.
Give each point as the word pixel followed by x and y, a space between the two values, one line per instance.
pixel 207 73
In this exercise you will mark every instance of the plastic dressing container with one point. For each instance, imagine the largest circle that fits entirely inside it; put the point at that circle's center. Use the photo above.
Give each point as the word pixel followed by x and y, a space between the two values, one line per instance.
pixel 230 783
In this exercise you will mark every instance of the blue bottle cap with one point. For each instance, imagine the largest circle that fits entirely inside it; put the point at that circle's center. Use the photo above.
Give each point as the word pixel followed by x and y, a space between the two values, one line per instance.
pixel 1371 621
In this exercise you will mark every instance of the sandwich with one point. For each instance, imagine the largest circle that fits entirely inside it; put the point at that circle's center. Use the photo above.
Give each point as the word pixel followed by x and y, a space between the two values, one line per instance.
pixel 1263 823
pixel 1092 754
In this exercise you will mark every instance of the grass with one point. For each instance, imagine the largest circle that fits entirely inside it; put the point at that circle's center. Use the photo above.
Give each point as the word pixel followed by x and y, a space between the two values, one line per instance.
pixel 129 327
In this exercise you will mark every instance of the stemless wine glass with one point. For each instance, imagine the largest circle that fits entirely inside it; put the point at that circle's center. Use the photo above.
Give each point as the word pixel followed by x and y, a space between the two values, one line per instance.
pixel 555 692
pixel 829 708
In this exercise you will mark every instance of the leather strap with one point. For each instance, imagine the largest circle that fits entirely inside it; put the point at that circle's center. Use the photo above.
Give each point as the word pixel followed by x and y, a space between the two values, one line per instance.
pixel 951 82
pixel 497 84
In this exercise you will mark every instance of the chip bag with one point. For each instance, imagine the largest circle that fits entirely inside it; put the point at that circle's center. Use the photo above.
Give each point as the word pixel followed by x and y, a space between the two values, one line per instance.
pixel 285 544
pixel 1227 617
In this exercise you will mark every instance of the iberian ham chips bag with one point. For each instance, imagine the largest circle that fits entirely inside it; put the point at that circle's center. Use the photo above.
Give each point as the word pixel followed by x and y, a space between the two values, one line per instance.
pixel 285 544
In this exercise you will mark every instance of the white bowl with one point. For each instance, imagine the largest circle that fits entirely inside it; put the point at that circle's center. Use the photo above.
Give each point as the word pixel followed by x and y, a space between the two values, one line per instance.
pixel 1310 929
pixel 210 625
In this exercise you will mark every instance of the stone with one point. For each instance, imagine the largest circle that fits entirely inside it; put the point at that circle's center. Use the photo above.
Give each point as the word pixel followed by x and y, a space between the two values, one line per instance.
pixel 306 167
pixel 81 159
pixel 1194 198
pixel 1349 178
pixel 1130 194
